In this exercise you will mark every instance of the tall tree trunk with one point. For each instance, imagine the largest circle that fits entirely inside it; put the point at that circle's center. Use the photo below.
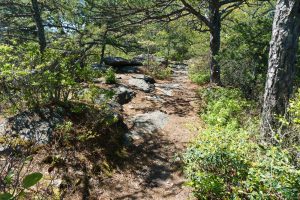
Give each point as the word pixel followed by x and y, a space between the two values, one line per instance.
pixel 103 48
pixel 104 41
pixel 39 25
pixel 215 41
pixel 282 58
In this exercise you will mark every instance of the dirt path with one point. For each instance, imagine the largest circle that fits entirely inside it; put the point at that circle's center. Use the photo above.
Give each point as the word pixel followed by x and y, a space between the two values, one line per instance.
pixel 155 171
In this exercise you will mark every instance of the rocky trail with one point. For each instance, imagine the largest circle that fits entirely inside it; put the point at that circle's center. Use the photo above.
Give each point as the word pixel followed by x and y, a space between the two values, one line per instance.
pixel 159 119
pixel 162 121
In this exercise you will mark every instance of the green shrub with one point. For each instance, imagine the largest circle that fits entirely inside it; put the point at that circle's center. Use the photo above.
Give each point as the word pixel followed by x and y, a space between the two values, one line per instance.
pixel 230 164
pixel 199 70
pixel 200 78
pixel 227 161
pixel 224 107
pixel 159 71
pixel 294 110
pixel 273 175
pixel 30 79
pixel 217 162
pixel 288 136
pixel 110 76
pixel 245 50
pixel 15 180
pixel 95 95
pixel 162 73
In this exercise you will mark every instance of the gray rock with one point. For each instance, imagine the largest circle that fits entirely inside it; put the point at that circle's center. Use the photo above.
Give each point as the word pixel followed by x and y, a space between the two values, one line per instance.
pixel 114 107
pixel 124 95
pixel 128 69
pixel 168 85
pixel 120 62
pixel 141 58
pixel 145 124
pixel 149 123
pixel 155 98
pixel 99 80
pixel 179 66
pixel 146 78
pixel 101 99
pixel 111 103
pixel 132 136
pixel 3 125
pixel 99 67
pixel 167 88
pixel 83 92
pixel 167 92
pixel 36 126
pixel 179 69
pixel 141 85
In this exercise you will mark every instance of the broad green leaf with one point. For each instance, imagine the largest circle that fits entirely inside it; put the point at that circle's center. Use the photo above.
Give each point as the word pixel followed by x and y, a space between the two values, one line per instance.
pixel 6 196
pixel 9 177
pixel 32 179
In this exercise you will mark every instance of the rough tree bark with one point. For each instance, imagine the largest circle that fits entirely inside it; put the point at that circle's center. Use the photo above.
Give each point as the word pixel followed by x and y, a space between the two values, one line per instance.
pixel 215 41
pixel 282 58
pixel 104 41
pixel 39 25
pixel 217 11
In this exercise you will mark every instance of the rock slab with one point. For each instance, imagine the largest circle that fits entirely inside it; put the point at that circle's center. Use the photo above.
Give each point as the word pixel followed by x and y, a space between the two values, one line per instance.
pixel 149 123
pixel 120 62
pixel 36 126
pixel 141 84
pixel 146 124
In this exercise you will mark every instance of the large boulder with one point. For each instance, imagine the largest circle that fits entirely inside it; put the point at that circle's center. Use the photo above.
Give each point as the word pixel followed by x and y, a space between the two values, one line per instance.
pixel 35 126
pixel 149 123
pixel 120 62
pixel 146 124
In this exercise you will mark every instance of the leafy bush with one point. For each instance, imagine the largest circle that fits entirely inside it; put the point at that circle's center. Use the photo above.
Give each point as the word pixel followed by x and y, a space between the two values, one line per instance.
pixel 172 41
pixel 162 73
pixel 226 163
pixel 227 160
pixel 14 183
pixel 110 76
pixel 200 78
pixel 30 79
pixel 217 162
pixel 224 107
pixel 158 70
pixel 245 51
pixel 294 112
pixel 199 70
pixel 288 136
pixel 95 95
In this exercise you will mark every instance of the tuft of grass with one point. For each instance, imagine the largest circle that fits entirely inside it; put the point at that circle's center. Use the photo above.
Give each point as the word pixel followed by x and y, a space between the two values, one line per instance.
pixel 162 73
pixel 110 76
pixel 200 78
